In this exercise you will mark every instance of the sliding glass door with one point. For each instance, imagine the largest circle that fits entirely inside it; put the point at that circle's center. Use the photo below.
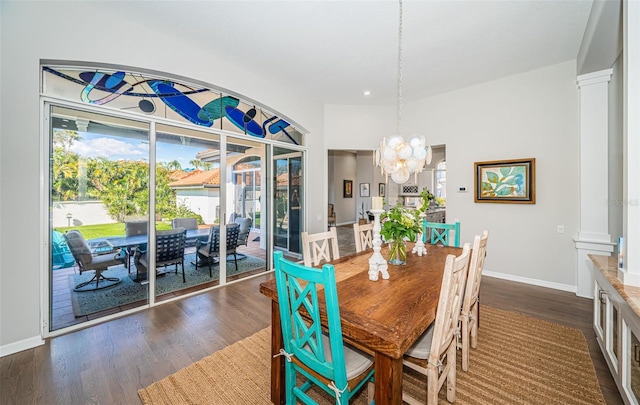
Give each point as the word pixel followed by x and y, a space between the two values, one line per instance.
pixel 99 177
pixel 288 204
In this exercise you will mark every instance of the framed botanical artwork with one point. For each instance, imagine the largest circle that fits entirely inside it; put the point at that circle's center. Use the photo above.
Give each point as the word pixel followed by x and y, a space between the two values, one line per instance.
pixel 347 188
pixel 364 190
pixel 505 181
pixel 381 189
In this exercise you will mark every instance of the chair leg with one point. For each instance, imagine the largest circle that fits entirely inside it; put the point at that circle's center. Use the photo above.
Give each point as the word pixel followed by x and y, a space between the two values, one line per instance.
pixel 235 259
pixel 451 373
pixel 184 280
pixel 464 335
pixel 475 312
pixel 432 385
pixel 210 260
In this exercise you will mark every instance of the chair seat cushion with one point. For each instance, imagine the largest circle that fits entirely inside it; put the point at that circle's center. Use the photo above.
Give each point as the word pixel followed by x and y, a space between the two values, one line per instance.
pixel 107 260
pixel 356 361
pixel 422 347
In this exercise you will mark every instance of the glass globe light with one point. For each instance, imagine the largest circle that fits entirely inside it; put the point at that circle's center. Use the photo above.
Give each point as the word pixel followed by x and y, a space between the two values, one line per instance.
pixel 395 141
pixel 405 151
pixel 401 176
pixel 389 155
pixel 419 153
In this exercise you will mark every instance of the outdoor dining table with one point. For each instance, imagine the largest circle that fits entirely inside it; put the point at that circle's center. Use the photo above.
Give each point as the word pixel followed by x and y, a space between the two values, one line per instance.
pixel 383 317
pixel 137 240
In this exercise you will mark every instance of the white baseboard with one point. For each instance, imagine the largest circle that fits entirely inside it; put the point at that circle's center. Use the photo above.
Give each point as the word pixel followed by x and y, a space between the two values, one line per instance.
pixel 532 281
pixel 21 345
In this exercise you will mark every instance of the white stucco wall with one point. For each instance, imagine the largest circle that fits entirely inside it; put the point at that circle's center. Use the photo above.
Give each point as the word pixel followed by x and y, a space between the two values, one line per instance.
pixel 31 31
pixel 534 114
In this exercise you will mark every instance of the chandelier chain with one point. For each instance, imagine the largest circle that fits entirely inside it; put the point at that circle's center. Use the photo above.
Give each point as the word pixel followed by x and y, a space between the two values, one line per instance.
pixel 400 71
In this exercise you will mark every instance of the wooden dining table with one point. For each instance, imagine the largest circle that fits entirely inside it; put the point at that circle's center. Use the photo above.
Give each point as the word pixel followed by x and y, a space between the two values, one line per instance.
pixel 383 318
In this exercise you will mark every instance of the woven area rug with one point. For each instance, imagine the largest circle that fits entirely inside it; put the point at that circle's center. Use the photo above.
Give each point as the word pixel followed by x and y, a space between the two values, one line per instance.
pixel 519 360
pixel 128 291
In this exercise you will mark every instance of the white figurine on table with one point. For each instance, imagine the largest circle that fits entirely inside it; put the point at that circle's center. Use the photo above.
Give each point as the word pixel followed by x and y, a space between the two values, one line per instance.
pixel 377 263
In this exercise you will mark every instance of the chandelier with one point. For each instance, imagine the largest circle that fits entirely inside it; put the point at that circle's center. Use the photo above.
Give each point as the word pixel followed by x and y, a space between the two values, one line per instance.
pixel 396 157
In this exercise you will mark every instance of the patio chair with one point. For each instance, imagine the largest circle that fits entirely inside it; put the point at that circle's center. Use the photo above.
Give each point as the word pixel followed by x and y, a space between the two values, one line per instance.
pixel 244 229
pixel 210 251
pixel 169 251
pixel 312 355
pixel 186 223
pixel 88 261
pixel 133 228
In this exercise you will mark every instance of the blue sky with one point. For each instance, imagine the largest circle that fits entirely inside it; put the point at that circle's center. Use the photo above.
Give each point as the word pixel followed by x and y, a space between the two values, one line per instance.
pixel 118 148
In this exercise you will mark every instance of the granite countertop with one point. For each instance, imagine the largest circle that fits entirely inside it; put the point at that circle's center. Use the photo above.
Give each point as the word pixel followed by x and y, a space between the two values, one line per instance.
pixel 608 266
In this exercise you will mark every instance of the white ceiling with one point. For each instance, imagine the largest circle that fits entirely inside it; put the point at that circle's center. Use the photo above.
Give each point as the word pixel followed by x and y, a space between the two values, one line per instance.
pixel 333 50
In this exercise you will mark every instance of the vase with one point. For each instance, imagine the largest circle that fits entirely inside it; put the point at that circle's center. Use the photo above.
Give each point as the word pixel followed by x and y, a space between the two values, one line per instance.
pixel 398 252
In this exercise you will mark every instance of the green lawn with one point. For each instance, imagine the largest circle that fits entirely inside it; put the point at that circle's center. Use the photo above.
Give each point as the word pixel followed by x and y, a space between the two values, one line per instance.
pixel 105 230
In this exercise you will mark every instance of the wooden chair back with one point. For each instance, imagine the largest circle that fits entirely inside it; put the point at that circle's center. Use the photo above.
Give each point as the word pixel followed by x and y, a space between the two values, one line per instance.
pixel 320 247
pixel 434 353
pixel 363 235
pixel 318 358
pixel 446 234
pixel 470 304
pixel 449 304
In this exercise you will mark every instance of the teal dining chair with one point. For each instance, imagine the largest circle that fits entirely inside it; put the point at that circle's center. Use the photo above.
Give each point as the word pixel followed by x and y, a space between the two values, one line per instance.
pixel 435 232
pixel 319 359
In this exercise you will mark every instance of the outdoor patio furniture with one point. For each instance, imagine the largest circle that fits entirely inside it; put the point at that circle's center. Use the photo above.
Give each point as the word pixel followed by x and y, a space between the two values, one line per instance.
pixel 243 231
pixel 188 224
pixel 88 261
pixel 210 251
pixel 134 228
pixel 169 251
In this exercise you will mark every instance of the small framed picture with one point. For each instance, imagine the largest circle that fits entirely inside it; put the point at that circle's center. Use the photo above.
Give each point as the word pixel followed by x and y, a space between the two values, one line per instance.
pixel 347 188
pixel 364 190
pixel 505 181
pixel 381 189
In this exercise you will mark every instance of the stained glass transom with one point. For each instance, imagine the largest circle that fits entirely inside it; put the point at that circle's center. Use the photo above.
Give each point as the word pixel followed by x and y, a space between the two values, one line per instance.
pixel 179 101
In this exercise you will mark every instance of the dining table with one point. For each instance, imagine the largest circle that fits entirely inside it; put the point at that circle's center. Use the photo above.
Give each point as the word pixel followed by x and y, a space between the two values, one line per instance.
pixel 382 318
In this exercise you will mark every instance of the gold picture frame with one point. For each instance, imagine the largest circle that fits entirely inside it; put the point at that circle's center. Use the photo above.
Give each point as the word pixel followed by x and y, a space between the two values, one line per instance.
pixel 505 181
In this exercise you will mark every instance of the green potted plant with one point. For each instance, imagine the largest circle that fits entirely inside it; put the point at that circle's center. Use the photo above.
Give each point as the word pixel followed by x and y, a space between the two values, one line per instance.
pixel 400 224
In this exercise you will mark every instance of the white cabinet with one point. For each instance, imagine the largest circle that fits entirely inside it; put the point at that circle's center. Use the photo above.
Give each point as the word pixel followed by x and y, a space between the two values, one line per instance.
pixel 617 329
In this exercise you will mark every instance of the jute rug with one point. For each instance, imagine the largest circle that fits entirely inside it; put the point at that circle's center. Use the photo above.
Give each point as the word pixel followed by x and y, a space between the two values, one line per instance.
pixel 519 360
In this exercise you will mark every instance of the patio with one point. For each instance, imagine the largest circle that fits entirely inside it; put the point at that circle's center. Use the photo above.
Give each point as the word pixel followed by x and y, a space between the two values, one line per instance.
pixel 62 303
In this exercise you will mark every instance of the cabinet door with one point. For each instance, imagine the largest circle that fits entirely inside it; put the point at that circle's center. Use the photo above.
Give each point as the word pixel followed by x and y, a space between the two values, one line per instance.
pixel 599 312
pixel 634 377
pixel 612 339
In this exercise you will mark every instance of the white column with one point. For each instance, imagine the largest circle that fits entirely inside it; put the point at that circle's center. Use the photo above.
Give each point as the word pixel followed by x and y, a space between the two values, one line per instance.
pixel 630 273
pixel 593 236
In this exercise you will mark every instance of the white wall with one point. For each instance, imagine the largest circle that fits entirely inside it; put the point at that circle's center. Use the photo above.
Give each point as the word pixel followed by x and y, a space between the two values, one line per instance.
pixel 534 114
pixel 31 31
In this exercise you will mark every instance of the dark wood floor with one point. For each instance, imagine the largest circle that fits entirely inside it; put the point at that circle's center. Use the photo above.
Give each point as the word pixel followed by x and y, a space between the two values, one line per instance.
pixel 108 363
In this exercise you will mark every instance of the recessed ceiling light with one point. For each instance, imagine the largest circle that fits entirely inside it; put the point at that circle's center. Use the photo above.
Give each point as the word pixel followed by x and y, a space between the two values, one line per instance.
pixel 366 93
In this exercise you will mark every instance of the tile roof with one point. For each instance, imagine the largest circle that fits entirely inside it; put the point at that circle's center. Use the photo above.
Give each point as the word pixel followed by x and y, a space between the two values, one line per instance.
pixel 198 178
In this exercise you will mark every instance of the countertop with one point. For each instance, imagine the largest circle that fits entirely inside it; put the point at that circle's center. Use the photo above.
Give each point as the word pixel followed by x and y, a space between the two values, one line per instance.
pixel 608 266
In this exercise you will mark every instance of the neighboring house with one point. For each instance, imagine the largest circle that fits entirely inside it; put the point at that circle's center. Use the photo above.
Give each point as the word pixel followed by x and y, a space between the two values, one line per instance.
pixel 200 192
